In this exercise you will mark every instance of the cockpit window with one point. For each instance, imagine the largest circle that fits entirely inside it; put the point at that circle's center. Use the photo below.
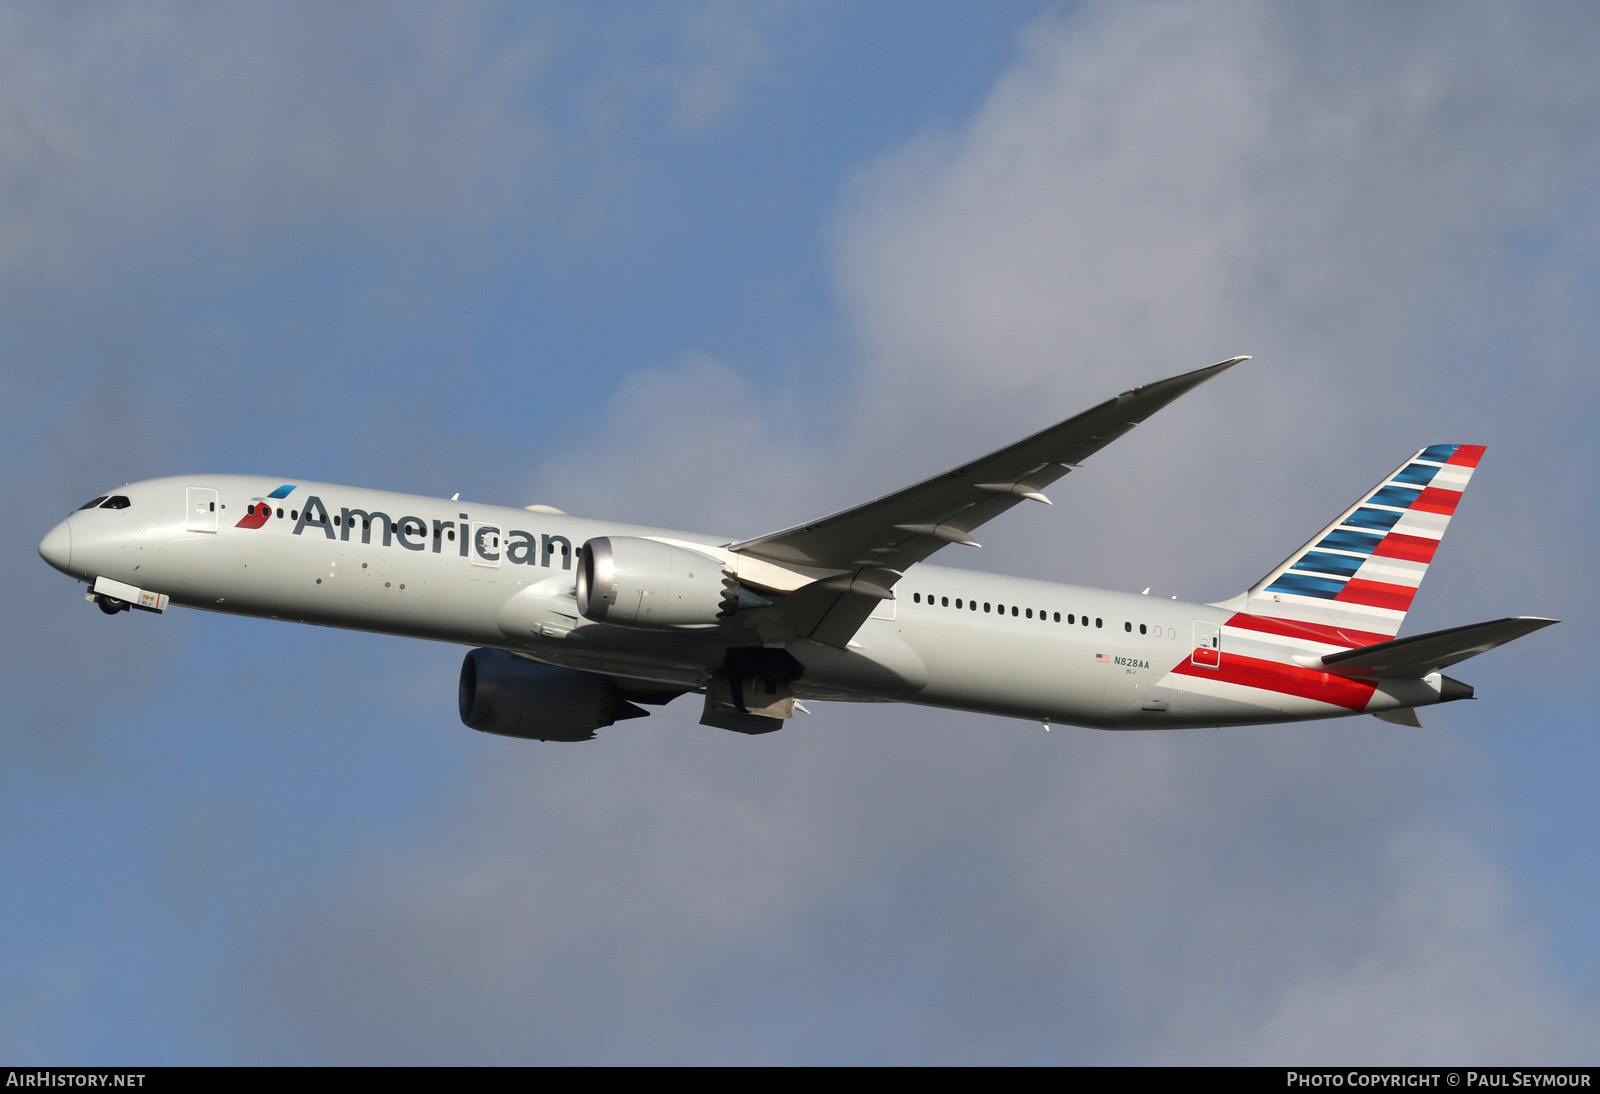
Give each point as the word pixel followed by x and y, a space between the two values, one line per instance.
pixel 91 503
pixel 116 501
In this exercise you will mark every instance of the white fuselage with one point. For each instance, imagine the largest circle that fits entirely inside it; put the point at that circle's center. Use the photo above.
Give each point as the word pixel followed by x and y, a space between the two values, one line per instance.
pixel 503 577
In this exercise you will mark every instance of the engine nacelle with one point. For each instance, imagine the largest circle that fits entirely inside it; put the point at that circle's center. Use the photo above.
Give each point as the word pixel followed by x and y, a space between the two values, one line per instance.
pixel 514 697
pixel 633 582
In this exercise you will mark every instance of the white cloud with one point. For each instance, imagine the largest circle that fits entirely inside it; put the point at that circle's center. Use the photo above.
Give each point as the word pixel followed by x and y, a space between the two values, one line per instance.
pixel 1446 975
pixel 244 125
pixel 691 445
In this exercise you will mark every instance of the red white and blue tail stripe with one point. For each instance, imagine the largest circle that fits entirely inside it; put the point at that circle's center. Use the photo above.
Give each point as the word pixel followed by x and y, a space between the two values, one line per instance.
pixel 1354 581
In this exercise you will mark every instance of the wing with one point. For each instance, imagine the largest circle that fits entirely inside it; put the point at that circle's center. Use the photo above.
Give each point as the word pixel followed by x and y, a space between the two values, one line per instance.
pixel 873 544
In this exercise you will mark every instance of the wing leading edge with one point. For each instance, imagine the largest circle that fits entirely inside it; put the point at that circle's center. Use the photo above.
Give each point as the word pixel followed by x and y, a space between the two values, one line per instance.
pixel 872 544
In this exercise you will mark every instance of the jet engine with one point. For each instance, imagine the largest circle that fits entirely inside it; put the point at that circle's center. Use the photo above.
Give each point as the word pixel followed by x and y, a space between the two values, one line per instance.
pixel 513 697
pixel 633 582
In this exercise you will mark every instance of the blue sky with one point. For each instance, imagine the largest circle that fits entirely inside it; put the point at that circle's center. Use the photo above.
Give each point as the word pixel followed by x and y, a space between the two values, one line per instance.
pixel 726 266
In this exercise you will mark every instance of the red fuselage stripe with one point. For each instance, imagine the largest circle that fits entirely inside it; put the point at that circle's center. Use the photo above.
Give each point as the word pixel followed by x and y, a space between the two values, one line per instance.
pixel 1272 676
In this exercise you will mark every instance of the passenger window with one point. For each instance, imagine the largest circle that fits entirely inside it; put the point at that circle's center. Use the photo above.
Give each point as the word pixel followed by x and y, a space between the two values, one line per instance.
pixel 1141 628
pixel 1030 613
pixel 944 602
pixel 986 606
pixel 1127 626
pixel 1097 621
pixel 958 602
pixel 1058 618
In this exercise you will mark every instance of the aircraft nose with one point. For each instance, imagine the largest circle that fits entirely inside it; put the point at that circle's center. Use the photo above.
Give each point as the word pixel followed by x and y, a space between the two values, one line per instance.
pixel 56 547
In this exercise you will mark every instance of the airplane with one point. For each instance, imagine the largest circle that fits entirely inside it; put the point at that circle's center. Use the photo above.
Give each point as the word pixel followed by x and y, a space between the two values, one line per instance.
pixel 576 622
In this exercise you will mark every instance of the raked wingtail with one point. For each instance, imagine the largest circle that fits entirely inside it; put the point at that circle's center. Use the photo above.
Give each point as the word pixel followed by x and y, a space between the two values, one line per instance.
pixel 1353 582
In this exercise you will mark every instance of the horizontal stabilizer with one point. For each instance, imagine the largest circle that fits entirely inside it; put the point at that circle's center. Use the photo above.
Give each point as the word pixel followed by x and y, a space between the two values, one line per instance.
pixel 1416 657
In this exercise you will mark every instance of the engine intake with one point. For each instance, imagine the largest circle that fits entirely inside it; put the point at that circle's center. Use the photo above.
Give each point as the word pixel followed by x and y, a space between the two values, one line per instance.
pixel 513 697
pixel 632 582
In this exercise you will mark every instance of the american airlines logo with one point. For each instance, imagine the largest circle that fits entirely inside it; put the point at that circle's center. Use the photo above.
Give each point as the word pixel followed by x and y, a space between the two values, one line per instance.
pixel 485 543
pixel 259 509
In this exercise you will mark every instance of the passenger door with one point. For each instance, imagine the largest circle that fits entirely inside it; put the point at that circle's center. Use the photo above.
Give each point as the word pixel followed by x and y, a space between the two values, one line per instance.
pixel 200 507
pixel 1207 644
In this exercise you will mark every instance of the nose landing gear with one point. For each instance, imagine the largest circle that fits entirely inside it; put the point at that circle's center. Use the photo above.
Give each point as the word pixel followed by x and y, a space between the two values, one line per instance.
pixel 118 596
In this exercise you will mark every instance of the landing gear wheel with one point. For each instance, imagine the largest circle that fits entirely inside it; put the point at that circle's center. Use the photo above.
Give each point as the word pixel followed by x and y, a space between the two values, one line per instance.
pixel 111 605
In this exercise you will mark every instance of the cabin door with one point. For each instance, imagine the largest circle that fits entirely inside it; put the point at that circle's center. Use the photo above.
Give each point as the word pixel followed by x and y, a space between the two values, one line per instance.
pixel 200 509
pixel 1207 644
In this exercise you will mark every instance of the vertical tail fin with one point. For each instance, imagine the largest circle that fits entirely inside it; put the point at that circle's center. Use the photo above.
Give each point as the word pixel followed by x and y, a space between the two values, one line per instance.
pixel 1354 581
